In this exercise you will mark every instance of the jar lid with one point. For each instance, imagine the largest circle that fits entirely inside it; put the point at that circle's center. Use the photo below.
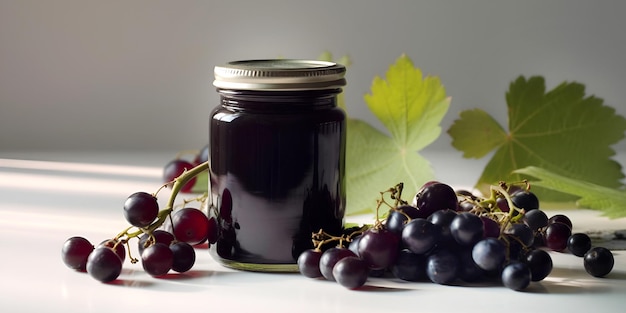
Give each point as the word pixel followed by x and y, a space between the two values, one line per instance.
pixel 279 74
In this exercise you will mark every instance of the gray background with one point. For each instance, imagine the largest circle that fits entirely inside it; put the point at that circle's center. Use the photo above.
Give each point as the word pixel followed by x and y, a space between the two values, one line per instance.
pixel 136 75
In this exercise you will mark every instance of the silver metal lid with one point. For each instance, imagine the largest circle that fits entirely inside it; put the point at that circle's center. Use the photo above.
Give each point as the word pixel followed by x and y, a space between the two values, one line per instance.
pixel 279 74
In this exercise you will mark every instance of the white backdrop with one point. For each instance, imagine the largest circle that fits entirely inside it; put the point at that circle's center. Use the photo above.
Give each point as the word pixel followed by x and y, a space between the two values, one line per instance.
pixel 136 74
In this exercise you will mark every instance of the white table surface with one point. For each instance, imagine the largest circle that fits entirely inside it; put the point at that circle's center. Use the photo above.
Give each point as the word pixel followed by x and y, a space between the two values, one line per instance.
pixel 44 203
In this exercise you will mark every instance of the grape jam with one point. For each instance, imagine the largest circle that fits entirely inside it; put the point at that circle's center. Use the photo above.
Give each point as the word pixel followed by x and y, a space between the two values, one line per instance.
pixel 277 170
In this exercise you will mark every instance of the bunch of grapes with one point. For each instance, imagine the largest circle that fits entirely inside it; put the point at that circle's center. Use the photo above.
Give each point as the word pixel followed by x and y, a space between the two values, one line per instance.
pixel 165 238
pixel 446 237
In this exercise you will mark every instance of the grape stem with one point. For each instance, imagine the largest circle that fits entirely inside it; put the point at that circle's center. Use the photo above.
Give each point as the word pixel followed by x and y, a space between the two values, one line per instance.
pixel 163 214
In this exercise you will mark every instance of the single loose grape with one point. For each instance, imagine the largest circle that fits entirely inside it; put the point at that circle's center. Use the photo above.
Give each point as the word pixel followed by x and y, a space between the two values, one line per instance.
pixel 579 244
pixel 599 261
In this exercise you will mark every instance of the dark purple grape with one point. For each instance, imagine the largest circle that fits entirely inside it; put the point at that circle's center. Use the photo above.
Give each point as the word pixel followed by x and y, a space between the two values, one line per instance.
pixel 351 272
pixel 557 235
pixel 516 276
pixel 522 232
pixel 560 218
pixel 598 261
pixel 469 271
pixel 536 219
pixel 525 200
pixel 442 267
pixel 409 266
pixel 329 258
pixel 160 236
pixel 184 256
pixel 435 197
pixel 420 235
pixel 75 252
pixel 120 250
pixel 379 247
pixel 491 228
pixel 141 209
pixel 467 228
pixel 309 263
pixel 489 254
pixel 190 225
pixel 157 259
pixel 400 216
pixel 104 265
pixel 502 204
pixel 540 264
pixel 443 219
pixel 579 244
pixel 175 168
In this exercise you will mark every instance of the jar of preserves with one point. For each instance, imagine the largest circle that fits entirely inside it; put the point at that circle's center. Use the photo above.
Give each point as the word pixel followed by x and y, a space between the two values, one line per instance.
pixel 277 156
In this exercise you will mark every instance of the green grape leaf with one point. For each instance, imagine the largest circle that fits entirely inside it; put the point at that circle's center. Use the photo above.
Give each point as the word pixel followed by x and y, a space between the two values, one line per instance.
pixel 411 108
pixel 561 130
pixel 610 201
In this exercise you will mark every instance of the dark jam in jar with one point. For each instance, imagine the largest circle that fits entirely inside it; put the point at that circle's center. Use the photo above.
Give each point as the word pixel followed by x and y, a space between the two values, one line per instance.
pixel 277 150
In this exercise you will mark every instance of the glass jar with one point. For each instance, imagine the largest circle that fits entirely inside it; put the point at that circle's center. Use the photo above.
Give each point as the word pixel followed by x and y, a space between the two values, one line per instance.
pixel 277 155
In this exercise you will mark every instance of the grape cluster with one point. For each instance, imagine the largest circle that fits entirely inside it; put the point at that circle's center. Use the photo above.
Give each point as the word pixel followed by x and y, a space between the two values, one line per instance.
pixel 449 237
pixel 165 237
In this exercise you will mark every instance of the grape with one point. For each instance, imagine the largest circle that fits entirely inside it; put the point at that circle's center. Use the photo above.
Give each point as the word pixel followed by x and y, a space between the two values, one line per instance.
pixel 560 218
pixel 160 236
pixel 469 271
pixel 75 252
pixel 175 168
pixel 351 272
pixel 309 263
pixel 522 232
pixel 598 261
pixel 190 225
pixel 400 216
pixel 420 235
pixel 379 247
pixel 443 219
pixel 329 258
pixel 536 219
pixel 434 197
pixel 467 228
pixel 120 250
pixel 525 200
pixel 489 254
pixel 409 266
pixel 184 256
pixel 157 259
pixel 442 267
pixel 579 244
pixel 557 235
pixel 516 276
pixel 540 264
pixel 104 265
pixel 502 204
pixel 141 209
pixel 491 228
